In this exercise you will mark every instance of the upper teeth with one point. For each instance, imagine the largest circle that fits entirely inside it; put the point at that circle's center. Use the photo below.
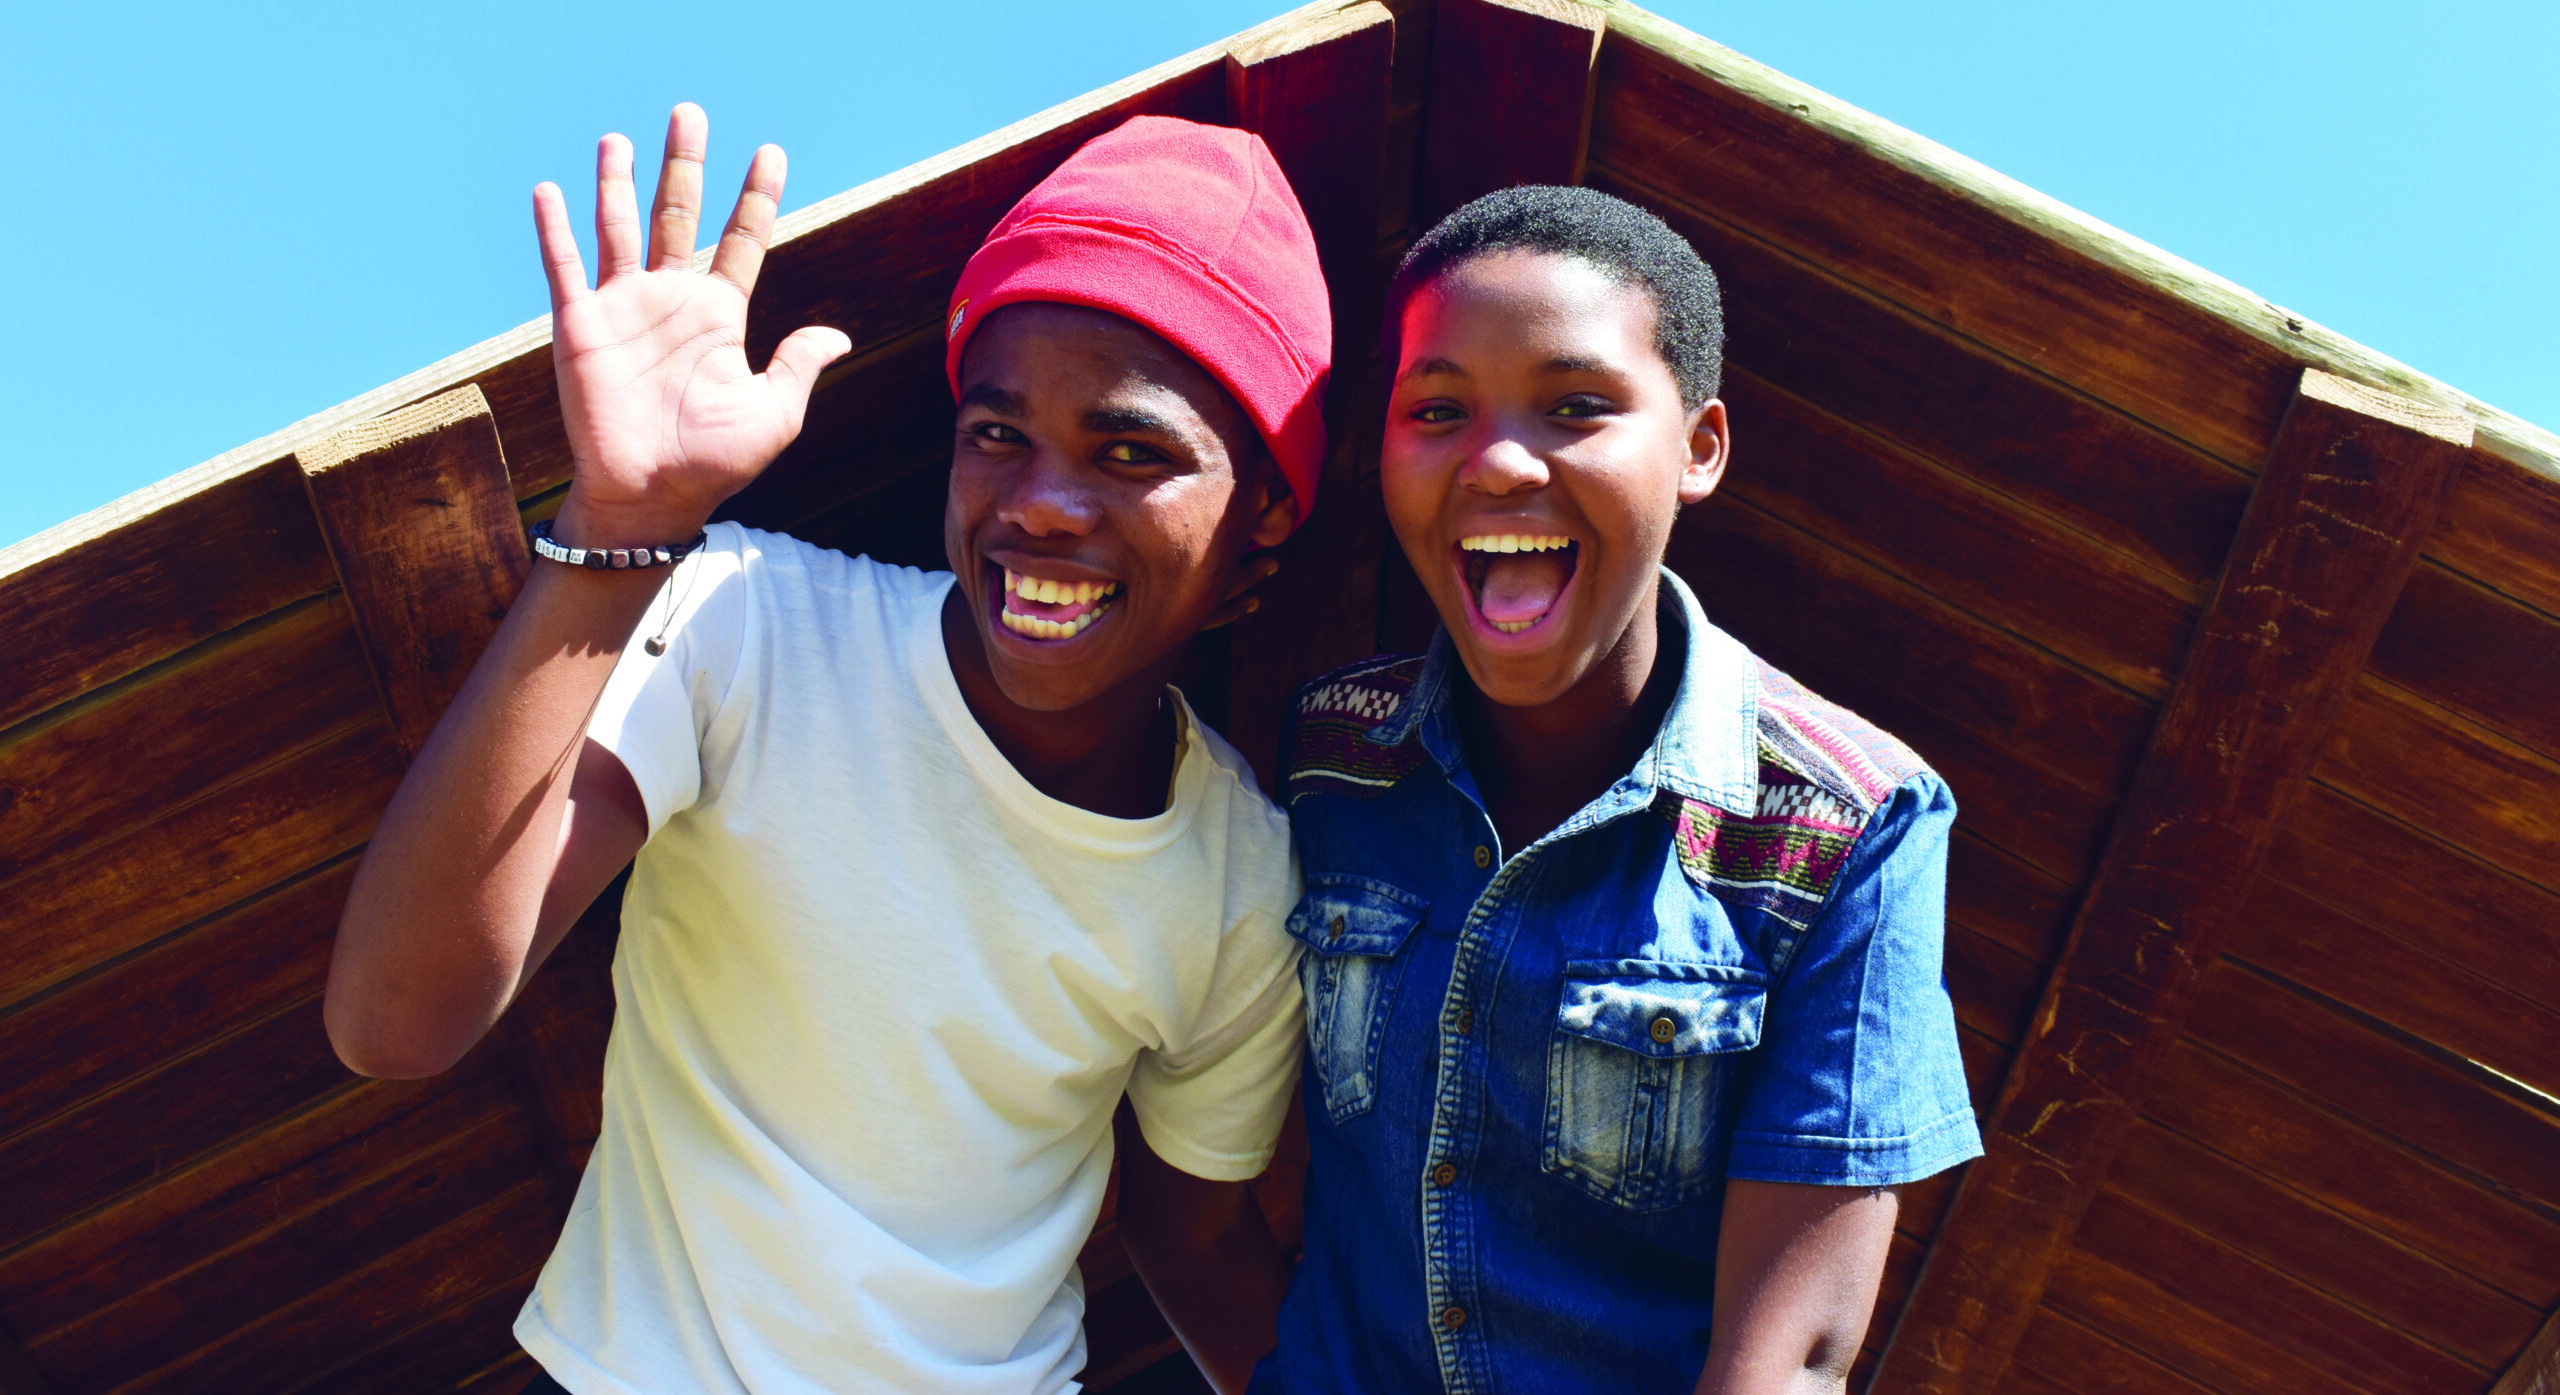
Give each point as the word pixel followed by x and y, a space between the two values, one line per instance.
pixel 1513 542
pixel 1033 588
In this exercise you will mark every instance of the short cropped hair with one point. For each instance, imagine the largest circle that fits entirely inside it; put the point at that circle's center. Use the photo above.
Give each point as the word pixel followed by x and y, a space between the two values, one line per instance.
pixel 1624 242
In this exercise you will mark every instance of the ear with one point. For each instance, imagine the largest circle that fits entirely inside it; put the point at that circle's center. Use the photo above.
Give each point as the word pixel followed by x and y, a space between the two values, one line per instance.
pixel 1276 511
pixel 1710 445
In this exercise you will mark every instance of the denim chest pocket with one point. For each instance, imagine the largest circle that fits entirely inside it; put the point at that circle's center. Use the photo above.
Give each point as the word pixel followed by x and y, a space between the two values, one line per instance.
pixel 1353 928
pixel 1640 1077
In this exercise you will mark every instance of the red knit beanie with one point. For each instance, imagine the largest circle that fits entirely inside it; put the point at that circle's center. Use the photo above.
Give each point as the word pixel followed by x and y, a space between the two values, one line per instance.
pixel 1191 231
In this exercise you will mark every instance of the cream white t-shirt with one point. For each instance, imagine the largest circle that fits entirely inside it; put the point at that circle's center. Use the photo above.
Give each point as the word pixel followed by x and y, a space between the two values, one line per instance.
pixel 877 999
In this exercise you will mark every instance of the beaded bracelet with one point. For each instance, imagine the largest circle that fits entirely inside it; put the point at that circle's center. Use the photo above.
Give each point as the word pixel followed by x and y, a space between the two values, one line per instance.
pixel 602 559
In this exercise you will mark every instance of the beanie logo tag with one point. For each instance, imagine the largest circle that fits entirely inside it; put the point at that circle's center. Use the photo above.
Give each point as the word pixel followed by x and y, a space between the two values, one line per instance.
pixel 959 313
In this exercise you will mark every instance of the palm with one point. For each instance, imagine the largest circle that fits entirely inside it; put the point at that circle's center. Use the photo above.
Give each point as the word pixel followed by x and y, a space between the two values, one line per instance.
pixel 664 415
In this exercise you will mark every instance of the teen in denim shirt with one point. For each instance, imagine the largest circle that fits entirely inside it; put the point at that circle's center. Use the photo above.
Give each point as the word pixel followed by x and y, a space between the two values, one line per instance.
pixel 1624 999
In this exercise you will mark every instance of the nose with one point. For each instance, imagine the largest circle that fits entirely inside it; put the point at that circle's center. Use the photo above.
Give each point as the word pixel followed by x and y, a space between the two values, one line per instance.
pixel 1048 497
pixel 1503 464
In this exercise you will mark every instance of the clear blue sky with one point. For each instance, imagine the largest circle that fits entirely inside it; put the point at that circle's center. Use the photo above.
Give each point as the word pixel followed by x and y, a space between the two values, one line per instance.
pixel 226 217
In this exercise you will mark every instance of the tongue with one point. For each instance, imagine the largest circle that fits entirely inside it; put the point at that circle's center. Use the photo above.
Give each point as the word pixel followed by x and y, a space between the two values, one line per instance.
pixel 1522 585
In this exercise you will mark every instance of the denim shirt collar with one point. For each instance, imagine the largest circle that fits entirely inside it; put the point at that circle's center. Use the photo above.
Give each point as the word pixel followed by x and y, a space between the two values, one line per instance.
pixel 1707 748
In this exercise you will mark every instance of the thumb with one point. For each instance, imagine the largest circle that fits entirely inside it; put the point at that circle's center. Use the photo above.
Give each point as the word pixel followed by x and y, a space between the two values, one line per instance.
pixel 798 360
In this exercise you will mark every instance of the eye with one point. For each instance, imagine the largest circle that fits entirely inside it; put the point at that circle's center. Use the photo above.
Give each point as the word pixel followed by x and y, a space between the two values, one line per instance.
pixel 994 433
pixel 1132 453
pixel 1583 405
pixel 1437 413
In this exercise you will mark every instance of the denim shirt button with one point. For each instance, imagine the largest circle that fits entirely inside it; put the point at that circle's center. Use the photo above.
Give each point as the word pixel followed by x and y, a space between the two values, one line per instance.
pixel 1453 1317
pixel 1335 929
pixel 1484 858
pixel 1664 1029
pixel 1444 1174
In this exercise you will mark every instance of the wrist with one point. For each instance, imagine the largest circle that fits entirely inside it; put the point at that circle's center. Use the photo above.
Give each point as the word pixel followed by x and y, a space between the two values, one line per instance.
pixel 584 523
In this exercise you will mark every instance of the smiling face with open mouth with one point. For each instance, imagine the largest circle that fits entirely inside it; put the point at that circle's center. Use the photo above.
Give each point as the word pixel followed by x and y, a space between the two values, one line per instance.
pixel 1103 489
pixel 1536 450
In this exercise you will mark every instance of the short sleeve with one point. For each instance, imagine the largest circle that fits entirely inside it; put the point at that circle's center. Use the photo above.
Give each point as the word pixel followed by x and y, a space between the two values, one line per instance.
pixel 657 708
pixel 1214 1107
pixel 1857 1080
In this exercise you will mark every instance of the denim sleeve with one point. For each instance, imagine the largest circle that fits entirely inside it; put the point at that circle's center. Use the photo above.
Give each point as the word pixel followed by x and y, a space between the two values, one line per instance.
pixel 1857 1080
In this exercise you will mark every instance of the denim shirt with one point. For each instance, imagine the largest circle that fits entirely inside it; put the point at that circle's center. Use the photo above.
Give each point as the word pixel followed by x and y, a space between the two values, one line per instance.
pixel 1531 1070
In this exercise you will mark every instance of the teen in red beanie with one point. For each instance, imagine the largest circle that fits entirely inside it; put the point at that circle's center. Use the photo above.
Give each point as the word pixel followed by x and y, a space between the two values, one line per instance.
pixel 1191 231
pixel 933 870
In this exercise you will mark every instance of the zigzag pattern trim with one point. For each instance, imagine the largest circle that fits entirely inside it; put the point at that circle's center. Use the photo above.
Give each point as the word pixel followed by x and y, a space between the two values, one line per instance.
pixel 1830 745
pixel 1330 752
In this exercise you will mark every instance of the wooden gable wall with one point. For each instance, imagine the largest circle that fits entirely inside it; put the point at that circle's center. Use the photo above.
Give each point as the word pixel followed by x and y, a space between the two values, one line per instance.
pixel 1992 462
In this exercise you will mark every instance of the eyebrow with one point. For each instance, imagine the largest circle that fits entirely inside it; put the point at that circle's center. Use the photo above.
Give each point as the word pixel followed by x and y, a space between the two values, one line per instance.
pixel 1128 421
pixel 996 400
pixel 1576 365
pixel 1434 367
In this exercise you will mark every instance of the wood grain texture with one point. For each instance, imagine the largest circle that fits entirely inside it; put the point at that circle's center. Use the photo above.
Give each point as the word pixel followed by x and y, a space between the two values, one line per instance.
pixel 452 1349
pixel 2497 527
pixel 73 913
pixel 235 1198
pixel 2080 463
pixel 2081 1361
pixel 121 757
pixel 1318 95
pixel 2287 1231
pixel 2339 1161
pixel 2348 495
pixel 2466 785
pixel 1511 92
pixel 2537 1368
pixel 1958 541
pixel 2473 1012
pixel 2213 1349
pixel 117 1025
pixel 2348 1348
pixel 2396 879
pixel 421 525
pixel 2463 646
pixel 158 582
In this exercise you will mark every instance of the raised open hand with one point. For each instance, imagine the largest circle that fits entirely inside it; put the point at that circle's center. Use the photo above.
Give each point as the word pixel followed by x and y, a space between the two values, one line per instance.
pixel 664 417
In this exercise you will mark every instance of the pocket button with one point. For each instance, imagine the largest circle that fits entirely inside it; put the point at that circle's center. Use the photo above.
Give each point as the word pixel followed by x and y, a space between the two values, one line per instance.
pixel 1336 929
pixel 1484 858
pixel 1664 1029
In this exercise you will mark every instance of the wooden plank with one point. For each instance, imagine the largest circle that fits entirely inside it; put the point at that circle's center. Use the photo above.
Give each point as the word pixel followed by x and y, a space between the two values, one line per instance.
pixel 2213 1349
pixel 421 525
pixel 170 1320
pixel 2468 786
pixel 2033 748
pixel 18 1375
pixel 2394 878
pixel 2537 1368
pixel 2287 933
pixel 2079 462
pixel 1962 543
pixel 866 427
pixel 2433 1108
pixel 558 1028
pixel 321 1331
pixel 2083 1362
pixel 2379 1183
pixel 2014 904
pixel 2331 532
pixel 2460 645
pixel 2349 1347
pixel 122 757
pixel 1994 987
pixel 74 913
pixel 238 1196
pixel 1512 83
pixel 265 1070
pixel 2279 1227
pixel 109 1029
pixel 2039 281
pixel 440 1353
pixel 2497 527
pixel 155 581
pixel 1318 95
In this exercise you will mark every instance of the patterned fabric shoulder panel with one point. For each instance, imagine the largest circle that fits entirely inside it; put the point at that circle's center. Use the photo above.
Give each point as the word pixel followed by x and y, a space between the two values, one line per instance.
pixel 1329 750
pixel 1823 771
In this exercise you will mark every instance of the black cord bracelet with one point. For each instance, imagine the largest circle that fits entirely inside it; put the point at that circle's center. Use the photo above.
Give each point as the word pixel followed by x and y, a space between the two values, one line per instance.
pixel 602 559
